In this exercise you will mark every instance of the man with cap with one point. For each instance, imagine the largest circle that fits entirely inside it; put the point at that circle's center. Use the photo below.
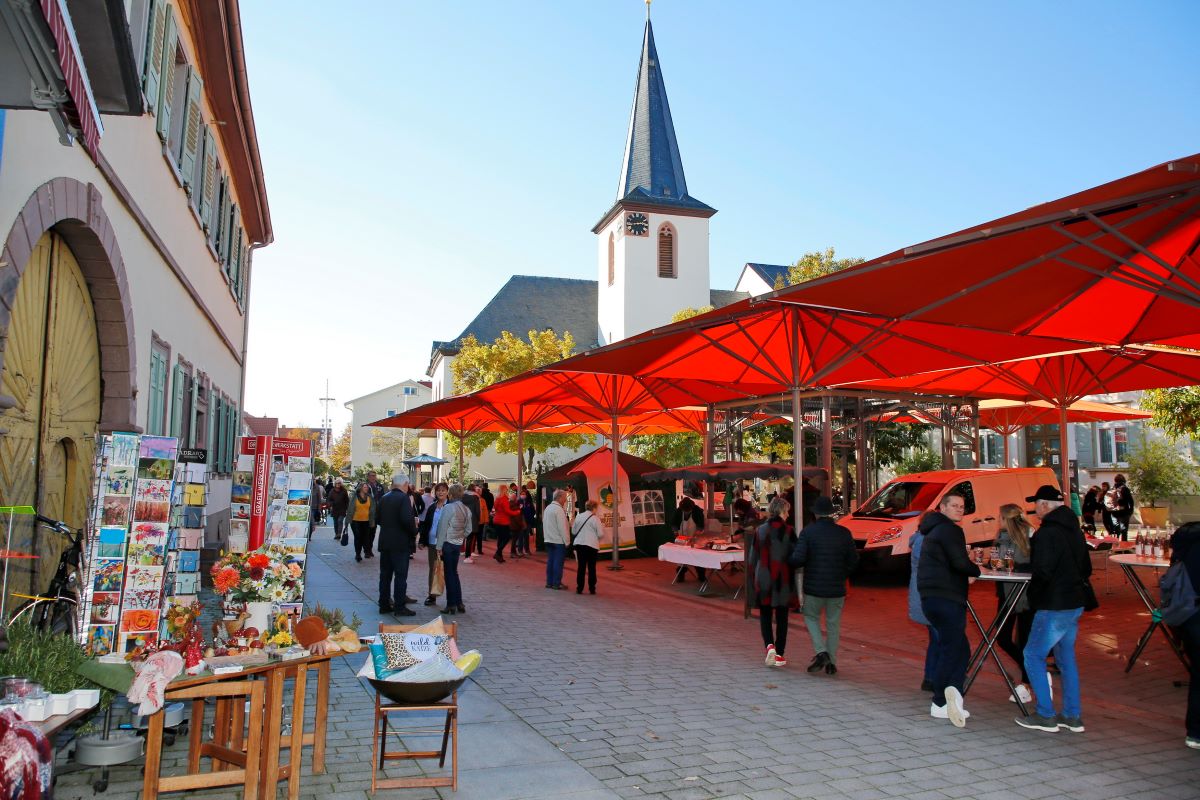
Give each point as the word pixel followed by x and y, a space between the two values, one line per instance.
pixel 1060 566
pixel 826 552
pixel 397 541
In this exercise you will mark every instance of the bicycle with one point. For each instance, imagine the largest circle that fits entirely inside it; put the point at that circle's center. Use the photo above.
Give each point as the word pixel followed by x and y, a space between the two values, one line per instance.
pixel 56 611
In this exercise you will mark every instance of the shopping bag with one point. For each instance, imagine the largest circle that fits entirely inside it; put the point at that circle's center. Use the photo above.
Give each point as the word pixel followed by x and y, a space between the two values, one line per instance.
pixel 438 585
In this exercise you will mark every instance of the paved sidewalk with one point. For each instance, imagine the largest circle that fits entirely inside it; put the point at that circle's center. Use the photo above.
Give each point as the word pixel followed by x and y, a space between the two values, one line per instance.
pixel 646 690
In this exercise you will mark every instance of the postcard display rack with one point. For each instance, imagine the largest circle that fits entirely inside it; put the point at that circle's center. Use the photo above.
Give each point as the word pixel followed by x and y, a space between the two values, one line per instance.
pixel 188 520
pixel 128 543
pixel 288 512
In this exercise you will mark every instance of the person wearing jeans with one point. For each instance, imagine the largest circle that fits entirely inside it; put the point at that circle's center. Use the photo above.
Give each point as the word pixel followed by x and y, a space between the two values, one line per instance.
pixel 1185 549
pixel 827 553
pixel 454 524
pixel 1060 566
pixel 943 576
pixel 556 535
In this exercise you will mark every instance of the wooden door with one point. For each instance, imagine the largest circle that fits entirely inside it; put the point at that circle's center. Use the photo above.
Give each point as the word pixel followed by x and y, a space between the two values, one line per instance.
pixel 52 370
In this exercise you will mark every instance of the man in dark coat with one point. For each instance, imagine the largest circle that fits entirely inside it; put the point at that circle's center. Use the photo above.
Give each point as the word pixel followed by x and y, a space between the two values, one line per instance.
pixel 943 575
pixel 1122 507
pixel 1060 565
pixel 826 552
pixel 1185 548
pixel 397 541
pixel 472 501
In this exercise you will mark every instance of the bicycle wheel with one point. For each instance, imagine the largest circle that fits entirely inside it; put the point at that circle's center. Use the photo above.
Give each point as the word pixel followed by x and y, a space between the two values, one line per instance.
pixel 56 615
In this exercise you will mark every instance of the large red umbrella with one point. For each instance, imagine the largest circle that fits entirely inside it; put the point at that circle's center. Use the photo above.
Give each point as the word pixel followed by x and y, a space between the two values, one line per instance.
pixel 1115 264
pixel 1059 379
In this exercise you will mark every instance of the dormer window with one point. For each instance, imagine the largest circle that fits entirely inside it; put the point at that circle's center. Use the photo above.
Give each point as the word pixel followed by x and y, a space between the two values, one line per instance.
pixel 666 252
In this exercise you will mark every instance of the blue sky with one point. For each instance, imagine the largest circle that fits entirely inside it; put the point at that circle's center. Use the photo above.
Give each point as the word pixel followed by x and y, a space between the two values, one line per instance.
pixel 418 154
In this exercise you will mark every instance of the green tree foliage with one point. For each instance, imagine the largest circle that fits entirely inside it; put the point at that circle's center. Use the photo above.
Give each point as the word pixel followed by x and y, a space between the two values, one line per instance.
pixel 817 263
pixel 394 444
pixel 1157 471
pixel 689 312
pixel 765 441
pixel 667 449
pixel 479 365
pixel 922 460
pixel 339 454
pixel 320 468
pixel 1176 411
pixel 893 440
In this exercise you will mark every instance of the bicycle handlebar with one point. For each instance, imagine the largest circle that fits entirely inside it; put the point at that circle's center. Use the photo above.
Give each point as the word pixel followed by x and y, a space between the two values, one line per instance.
pixel 57 525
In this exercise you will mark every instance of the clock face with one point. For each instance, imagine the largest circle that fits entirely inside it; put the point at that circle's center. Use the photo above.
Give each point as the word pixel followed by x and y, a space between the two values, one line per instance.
pixel 637 223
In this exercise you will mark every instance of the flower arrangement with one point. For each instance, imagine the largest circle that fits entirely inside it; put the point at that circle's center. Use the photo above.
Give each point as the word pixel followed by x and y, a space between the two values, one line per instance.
pixel 267 575
pixel 182 620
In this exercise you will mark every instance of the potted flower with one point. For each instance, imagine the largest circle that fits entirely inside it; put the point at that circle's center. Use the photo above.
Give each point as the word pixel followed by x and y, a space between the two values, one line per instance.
pixel 252 582
pixel 1157 472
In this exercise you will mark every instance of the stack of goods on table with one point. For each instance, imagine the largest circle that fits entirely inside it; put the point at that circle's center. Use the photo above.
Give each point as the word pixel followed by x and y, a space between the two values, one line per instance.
pixel 423 665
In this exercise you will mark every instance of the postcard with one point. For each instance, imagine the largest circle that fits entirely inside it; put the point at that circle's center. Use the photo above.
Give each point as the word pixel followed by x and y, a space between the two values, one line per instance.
pixel 100 639
pixel 245 462
pixel 119 480
pixel 241 488
pixel 107 574
pixel 105 606
pixel 239 526
pixel 134 640
pixel 111 543
pixel 297 514
pixel 187 583
pixel 146 554
pixel 276 529
pixel 143 600
pixel 159 447
pixel 156 532
pixel 193 538
pixel 172 562
pixel 238 543
pixel 299 464
pixel 240 510
pixel 152 510
pixel 142 577
pixel 279 480
pixel 294 546
pixel 299 480
pixel 295 530
pixel 115 511
pixel 124 450
pixel 297 497
pixel 156 490
pixel 193 516
pixel 189 560
pixel 139 619
pixel 160 469
pixel 193 494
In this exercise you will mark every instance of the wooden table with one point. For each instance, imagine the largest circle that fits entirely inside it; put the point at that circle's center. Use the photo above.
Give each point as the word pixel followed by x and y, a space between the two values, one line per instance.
pixel 1004 610
pixel 230 719
pixel 710 560
pixel 1129 564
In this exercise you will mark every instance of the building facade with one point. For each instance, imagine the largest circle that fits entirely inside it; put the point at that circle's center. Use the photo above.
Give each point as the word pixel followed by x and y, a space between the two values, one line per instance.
pixel 375 445
pixel 130 206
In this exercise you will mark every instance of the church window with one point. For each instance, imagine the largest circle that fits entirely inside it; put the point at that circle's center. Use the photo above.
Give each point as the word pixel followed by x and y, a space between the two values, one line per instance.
pixel 666 252
pixel 612 258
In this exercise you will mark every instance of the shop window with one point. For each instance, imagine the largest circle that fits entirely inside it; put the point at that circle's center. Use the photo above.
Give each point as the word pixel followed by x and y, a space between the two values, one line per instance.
pixel 991 449
pixel 666 252
pixel 1042 446
pixel 1114 445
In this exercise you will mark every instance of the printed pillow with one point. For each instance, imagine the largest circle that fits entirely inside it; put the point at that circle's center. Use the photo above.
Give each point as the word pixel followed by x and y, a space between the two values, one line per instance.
pixel 406 649
pixel 379 658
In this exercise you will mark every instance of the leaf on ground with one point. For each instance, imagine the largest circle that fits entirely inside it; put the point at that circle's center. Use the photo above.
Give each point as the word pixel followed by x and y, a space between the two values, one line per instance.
pixel 772 686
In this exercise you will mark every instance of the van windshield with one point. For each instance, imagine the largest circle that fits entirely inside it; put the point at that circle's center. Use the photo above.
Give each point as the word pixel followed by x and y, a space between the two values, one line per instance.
pixel 900 500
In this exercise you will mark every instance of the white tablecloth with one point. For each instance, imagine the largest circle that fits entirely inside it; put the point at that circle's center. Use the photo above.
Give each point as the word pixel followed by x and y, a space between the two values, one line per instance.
pixel 696 557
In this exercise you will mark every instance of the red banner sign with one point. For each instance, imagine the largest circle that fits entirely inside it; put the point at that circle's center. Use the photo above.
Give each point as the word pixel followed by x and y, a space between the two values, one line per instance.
pixel 301 448
pixel 260 485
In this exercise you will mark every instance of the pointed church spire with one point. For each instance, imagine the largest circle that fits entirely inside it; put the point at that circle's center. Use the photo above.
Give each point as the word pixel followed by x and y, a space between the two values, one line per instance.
pixel 652 170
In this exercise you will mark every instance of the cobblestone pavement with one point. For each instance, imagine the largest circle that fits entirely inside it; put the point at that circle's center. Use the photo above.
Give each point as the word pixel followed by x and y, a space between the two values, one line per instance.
pixel 647 690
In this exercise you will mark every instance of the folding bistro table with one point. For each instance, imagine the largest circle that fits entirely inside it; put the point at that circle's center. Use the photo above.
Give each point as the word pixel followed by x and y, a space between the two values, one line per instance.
pixel 710 560
pixel 1131 562
pixel 988 643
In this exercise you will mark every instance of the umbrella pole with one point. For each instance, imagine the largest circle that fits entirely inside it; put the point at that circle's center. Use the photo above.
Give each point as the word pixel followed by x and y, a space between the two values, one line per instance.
pixel 520 457
pixel 709 427
pixel 461 444
pixel 797 457
pixel 1064 462
pixel 1007 464
pixel 616 512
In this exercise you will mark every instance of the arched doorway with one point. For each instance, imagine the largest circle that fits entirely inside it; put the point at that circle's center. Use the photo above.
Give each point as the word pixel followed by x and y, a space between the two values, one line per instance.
pixel 52 371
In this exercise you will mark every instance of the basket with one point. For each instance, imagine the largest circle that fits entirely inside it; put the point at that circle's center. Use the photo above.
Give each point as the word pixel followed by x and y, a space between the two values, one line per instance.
pixel 416 693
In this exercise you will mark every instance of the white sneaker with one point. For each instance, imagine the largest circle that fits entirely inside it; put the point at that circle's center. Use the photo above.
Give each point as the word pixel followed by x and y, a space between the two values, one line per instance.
pixel 939 712
pixel 1023 694
pixel 954 707
pixel 770 660
pixel 468 560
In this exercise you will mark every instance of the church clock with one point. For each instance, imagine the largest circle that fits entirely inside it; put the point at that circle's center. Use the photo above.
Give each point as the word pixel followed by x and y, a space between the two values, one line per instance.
pixel 637 223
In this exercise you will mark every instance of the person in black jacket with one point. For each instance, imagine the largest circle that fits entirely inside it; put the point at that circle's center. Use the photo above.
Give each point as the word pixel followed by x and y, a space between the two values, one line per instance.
pixel 827 553
pixel 943 576
pixel 397 541
pixel 1185 547
pixel 1122 507
pixel 1060 565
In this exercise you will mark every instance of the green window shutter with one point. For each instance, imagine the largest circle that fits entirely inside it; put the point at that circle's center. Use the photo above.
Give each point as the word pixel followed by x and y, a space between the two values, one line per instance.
pixel 158 393
pixel 208 177
pixel 193 126
pixel 166 78
pixel 195 433
pixel 235 258
pixel 209 440
pixel 244 285
pixel 226 251
pixel 177 391
pixel 156 35
pixel 231 453
pixel 222 225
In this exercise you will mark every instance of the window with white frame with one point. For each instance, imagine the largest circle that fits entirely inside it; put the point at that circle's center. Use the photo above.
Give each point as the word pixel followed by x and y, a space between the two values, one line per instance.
pixel 991 449
pixel 1113 445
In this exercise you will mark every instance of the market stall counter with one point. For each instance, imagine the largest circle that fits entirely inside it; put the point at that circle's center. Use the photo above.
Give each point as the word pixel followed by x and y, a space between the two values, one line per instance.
pixel 711 560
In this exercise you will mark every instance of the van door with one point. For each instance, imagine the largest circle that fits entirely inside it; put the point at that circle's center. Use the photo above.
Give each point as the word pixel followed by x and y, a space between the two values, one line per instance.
pixel 979 521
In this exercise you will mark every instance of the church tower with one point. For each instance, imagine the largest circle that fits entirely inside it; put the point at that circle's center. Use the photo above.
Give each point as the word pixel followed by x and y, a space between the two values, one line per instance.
pixel 652 244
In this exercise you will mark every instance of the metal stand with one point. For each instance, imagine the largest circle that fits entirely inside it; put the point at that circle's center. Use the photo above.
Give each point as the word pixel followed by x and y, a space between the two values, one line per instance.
pixel 988 644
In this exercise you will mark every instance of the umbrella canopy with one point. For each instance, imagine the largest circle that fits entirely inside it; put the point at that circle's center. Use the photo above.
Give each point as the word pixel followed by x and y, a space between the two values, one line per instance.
pixel 1115 264
pixel 422 460
pixel 1006 417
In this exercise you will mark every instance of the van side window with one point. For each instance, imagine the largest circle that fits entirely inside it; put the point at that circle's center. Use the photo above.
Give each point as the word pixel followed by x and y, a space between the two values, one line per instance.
pixel 968 494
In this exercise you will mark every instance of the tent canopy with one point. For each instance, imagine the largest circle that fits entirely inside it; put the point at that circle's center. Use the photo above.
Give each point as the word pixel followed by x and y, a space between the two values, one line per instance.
pixel 630 464
pixel 1115 264
pixel 423 460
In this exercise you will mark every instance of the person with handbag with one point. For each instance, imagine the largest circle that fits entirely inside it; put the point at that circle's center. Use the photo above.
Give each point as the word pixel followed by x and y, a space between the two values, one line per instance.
pixel 454 523
pixel 586 535
pixel 1058 593
pixel 1014 535
pixel 339 503
pixel 361 511
pixel 503 511
pixel 529 517
pixel 427 537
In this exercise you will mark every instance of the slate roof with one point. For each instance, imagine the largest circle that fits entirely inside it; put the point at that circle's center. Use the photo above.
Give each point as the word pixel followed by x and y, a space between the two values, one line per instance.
pixel 720 298
pixel 535 302
pixel 652 170
pixel 769 272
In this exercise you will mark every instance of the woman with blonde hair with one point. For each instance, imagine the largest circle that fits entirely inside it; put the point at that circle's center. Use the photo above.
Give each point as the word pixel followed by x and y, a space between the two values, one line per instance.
pixel 1014 534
